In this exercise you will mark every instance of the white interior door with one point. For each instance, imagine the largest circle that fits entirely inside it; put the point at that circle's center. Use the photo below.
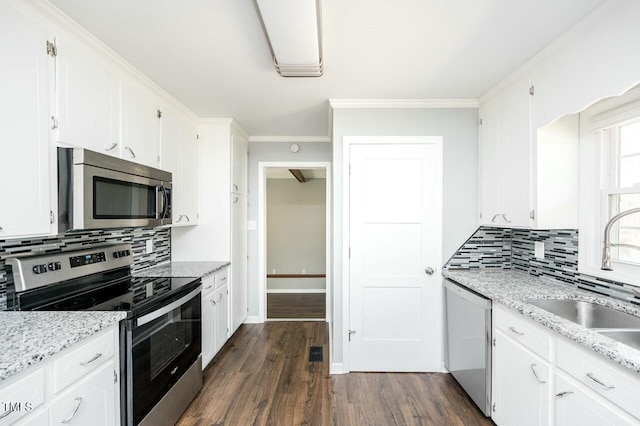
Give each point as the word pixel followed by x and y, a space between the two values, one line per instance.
pixel 395 235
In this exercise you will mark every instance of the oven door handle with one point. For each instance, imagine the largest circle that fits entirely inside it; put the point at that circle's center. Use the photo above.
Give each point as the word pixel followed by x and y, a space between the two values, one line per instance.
pixel 166 309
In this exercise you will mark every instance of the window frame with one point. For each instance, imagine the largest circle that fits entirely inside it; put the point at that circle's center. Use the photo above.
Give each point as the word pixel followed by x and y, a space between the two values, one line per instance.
pixel 599 178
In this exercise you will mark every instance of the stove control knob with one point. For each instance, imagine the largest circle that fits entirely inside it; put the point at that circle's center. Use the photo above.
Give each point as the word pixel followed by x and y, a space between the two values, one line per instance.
pixel 39 269
pixel 116 254
pixel 55 266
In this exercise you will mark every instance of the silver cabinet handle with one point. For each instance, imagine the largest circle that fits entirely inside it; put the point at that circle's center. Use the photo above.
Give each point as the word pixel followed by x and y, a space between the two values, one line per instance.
pixel 563 394
pixel 235 199
pixel 495 217
pixel 95 357
pixel 235 188
pixel 174 370
pixel 133 154
pixel 223 279
pixel 213 302
pixel 516 331
pixel 75 410
pixel 5 414
pixel 598 381
pixel 179 218
pixel 54 123
pixel 1 228
pixel 188 220
pixel 113 145
pixel 219 298
pixel 208 287
pixel 504 216
pixel 429 270
pixel 535 373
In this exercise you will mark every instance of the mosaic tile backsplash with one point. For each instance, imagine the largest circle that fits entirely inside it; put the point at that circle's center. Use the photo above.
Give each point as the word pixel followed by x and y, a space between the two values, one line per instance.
pixel 137 237
pixel 506 248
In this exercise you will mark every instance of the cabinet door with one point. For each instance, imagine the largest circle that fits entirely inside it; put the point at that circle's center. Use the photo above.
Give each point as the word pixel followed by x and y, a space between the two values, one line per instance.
pixel 140 125
pixel 87 100
pixel 578 406
pixel 208 330
pixel 490 164
pixel 89 402
pixel 221 316
pixel 516 147
pixel 239 166
pixel 238 261
pixel 190 173
pixel 25 73
pixel 519 397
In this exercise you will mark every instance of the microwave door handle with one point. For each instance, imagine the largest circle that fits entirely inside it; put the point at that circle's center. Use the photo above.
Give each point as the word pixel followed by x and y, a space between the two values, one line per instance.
pixel 165 202
pixel 159 202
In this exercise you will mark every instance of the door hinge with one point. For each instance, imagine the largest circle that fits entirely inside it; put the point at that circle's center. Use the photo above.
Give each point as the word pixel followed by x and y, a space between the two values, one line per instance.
pixel 481 121
pixel 480 215
pixel 532 214
pixel 51 217
pixel 350 333
pixel 532 90
pixel 494 341
pixel 115 377
pixel 159 113
pixel 197 136
pixel 349 252
pixel 52 50
pixel 494 407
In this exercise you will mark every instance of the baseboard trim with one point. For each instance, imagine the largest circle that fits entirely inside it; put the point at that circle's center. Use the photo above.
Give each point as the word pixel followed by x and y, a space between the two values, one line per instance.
pixel 336 368
pixel 296 290
pixel 253 319
pixel 296 319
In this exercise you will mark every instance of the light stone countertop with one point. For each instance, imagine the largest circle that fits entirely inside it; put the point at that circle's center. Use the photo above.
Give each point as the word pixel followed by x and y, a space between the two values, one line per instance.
pixel 513 288
pixel 29 337
pixel 182 270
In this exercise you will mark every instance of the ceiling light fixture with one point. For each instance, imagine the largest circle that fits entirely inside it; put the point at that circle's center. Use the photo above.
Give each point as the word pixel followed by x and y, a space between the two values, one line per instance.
pixel 293 29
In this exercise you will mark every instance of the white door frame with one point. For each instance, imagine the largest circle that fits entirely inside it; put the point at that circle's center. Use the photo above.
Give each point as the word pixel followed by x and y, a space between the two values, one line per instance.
pixel 347 141
pixel 262 230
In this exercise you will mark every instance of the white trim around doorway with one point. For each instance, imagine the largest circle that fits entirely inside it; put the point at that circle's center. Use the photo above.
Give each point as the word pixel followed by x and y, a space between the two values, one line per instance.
pixel 262 231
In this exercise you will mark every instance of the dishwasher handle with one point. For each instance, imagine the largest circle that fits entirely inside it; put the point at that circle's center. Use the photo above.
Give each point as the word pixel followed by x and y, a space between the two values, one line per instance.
pixel 467 294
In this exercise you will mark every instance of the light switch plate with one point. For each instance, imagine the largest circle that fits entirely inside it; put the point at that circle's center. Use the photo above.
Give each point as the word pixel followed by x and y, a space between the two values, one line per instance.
pixel 252 225
pixel 539 250
pixel 149 248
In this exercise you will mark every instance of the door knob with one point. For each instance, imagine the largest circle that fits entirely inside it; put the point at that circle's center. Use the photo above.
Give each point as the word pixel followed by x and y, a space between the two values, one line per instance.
pixel 429 270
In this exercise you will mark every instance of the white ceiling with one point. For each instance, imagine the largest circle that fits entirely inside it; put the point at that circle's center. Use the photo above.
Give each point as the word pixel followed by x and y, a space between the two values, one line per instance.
pixel 212 54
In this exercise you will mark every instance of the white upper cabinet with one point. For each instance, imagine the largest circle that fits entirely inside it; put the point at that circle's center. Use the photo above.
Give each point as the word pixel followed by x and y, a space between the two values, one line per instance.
pixel 505 158
pixel 239 146
pixel 26 171
pixel 140 124
pixel 87 101
pixel 180 157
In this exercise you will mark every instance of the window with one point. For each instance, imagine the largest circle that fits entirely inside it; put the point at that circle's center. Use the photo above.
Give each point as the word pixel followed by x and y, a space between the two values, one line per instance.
pixel 623 192
pixel 610 185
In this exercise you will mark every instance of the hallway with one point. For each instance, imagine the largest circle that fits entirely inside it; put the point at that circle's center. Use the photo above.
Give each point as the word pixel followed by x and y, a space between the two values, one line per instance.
pixel 263 376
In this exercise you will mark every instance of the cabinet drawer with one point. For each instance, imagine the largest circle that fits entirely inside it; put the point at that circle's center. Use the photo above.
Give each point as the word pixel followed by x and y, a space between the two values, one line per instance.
pixel 21 397
pixel 69 368
pixel 222 277
pixel 208 285
pixel 594 371
pixel 524 331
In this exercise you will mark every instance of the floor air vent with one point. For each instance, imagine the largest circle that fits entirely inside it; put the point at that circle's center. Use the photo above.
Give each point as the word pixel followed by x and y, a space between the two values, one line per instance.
pixel 315 354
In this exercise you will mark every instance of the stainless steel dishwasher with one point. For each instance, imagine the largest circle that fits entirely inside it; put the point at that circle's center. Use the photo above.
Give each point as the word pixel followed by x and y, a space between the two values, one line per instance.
pixel 468 346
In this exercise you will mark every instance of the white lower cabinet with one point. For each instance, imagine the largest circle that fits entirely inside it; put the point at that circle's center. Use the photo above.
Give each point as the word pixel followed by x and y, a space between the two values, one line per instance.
pixel 521 384
pixel 90 401
pixel 542 378
pixel 215 315
pixel 576 405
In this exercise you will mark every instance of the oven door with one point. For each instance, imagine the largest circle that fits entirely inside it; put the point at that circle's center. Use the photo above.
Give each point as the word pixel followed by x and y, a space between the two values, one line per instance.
pixel 161 346
pixel 111 199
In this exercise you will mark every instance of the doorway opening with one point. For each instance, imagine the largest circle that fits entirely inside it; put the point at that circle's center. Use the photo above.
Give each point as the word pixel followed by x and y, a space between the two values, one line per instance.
pixel 294 251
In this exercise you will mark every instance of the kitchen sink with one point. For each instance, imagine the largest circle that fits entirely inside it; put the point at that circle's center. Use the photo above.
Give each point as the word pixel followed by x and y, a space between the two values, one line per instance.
pixel 628 337
pixel 590 315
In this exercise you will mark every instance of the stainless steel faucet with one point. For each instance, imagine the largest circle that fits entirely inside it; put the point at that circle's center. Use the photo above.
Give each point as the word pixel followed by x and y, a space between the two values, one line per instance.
pixel 606 251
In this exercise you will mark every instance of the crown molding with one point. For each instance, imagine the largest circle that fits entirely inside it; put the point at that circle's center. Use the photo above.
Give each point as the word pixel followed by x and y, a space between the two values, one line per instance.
pixel 231 122
pixel 291 139
pixel 403 103
pixel 53 14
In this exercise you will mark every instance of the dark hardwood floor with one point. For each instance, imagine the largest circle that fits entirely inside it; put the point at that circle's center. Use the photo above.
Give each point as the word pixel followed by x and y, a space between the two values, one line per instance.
pixel 263 376
pixel 296 305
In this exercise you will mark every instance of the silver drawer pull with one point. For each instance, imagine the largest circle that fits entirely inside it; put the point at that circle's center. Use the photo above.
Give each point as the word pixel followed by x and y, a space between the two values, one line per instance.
pixel 563 394
pixel 208 287
pixel 133 154
pixel 504 216
pixel 494 218
pixel 219 298
pixel 174 370
pixel 516 331
pixel 95 357
pixel 598 381
pixel 535 373
pixel 213 302
pixel 5 414
pixel 75 410
pixel 113 145
pixel 188 220
pixel 223 279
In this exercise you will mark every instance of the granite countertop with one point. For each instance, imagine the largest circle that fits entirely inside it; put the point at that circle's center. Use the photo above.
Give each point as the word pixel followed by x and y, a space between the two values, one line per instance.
pixel 182 270
pixel 30 337
pixel 512 289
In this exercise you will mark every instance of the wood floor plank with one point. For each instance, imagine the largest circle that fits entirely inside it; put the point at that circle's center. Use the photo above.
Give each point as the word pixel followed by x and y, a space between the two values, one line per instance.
pixel 296 305
pixel 263 376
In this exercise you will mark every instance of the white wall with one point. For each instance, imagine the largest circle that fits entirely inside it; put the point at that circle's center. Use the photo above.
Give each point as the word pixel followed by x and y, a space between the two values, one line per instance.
pixel 296 235
pixel 272 152
pixel 459 128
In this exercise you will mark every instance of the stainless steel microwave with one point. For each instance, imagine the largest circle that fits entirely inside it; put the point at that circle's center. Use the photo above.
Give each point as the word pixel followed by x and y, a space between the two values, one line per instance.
pixel 97 191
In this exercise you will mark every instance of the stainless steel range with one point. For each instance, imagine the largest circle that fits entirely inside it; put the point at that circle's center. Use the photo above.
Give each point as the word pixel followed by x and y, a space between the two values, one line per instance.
pixel 160 338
